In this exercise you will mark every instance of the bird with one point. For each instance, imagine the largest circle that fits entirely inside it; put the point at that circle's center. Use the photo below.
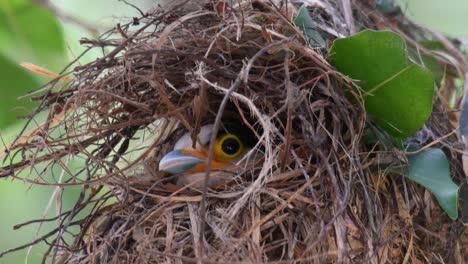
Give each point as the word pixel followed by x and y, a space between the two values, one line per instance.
pixel 190 161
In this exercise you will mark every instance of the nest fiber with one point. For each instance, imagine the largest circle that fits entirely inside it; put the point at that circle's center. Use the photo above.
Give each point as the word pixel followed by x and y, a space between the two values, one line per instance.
pixel 313 190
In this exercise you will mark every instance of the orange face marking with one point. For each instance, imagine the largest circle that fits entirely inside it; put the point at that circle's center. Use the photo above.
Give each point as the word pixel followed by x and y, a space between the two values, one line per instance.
pixel 215 164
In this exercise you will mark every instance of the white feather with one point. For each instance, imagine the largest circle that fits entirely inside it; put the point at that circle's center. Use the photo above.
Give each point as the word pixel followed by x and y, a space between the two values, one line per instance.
pixel 185 142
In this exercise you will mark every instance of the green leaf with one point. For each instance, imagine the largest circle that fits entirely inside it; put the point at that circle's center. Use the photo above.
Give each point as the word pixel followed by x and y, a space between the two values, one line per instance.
pixel 307 26
pixel 387 6
pixel 397 93
pixel 15 81
pixel 429 61
pixel 430 168
pixel 29 32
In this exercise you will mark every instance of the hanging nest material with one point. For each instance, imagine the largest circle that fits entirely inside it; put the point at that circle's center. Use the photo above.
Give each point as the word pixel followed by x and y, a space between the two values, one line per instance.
pixel 318 193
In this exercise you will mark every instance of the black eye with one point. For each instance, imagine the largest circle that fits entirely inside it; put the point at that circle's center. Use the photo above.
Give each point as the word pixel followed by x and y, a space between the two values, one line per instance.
pixel 230 146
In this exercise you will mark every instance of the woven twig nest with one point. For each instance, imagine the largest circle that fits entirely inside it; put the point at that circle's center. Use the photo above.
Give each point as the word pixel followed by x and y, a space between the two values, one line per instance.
pixel 316 193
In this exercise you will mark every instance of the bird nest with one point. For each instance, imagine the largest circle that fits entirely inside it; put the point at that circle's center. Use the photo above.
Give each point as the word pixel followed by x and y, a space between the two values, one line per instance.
pixel 311 188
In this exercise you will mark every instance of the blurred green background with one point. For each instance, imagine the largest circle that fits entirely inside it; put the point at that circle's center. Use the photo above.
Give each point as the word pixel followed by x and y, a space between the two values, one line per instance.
pixel 46 33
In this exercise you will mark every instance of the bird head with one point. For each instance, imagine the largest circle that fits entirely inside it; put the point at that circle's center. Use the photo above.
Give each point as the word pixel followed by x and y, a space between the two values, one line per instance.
pixel 191 158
